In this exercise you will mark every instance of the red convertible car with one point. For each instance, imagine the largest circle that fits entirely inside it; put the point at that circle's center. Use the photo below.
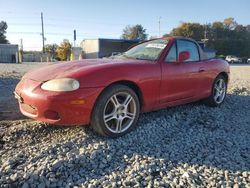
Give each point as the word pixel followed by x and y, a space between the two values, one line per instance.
pixel 109 94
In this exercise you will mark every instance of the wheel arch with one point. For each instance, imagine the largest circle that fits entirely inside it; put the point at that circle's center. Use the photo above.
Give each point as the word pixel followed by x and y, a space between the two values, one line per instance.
pixel 225 75
pixel 132 85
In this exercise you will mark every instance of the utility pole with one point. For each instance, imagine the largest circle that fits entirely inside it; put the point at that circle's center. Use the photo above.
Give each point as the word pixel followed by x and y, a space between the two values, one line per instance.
pixel 159 26
pixel 74 38
pixel 42 31
pixel 20 53
pixel 205 35
pixel 21 44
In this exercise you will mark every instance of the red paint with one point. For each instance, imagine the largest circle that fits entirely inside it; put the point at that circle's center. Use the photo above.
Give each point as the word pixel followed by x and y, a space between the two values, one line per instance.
pixel 161 85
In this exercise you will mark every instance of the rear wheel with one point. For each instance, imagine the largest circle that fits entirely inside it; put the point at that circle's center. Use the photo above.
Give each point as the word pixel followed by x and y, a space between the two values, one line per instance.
pixel 218 92
pixel 116 111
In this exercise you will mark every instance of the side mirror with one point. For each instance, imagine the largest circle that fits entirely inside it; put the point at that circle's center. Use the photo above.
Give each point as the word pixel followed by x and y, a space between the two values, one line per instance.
pixel 183 56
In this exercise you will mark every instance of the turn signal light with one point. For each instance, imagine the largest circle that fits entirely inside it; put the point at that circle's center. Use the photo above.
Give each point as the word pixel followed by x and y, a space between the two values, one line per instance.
pixel 78 101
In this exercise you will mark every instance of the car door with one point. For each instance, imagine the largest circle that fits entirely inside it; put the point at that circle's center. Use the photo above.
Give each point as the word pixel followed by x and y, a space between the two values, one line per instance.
pixel 180 80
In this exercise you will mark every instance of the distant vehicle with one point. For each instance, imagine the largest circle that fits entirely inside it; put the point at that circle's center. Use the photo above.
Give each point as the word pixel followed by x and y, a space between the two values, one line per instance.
pixel 54 60
pixel 116 53
pixel 109 94
pixel 248 61
pixel 233 59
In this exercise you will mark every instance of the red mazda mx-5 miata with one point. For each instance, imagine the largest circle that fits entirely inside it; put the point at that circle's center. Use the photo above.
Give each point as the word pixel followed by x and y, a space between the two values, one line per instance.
pixel 109 94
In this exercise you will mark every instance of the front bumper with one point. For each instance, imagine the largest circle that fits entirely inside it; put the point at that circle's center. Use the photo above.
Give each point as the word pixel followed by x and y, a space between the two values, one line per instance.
pixel 60 108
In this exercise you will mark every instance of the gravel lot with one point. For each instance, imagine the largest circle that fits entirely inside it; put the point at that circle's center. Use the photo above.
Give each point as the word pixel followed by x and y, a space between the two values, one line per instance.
pixel 187 146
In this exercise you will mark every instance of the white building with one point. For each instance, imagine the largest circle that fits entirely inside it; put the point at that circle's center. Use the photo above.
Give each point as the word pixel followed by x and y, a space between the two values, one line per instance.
pixel 98 48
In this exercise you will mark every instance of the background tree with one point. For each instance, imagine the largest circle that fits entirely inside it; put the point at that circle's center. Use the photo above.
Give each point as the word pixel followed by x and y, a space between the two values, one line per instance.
pixel 51 49
pixel 134 32
pixel 217 30
pixel 191 30
pixel 227 37
pixel 167 35
pixel 3 28
pixel 63 51
pixel 230 23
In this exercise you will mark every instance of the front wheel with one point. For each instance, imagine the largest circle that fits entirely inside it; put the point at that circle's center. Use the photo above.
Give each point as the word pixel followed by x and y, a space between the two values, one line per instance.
pixel 116 111
pixel 218 93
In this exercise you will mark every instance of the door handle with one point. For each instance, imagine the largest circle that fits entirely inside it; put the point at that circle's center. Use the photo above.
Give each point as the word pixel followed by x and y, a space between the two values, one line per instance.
pixel 202 69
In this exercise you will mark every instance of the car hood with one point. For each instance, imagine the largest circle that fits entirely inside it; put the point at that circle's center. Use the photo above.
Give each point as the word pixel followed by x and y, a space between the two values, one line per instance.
pixel 67 69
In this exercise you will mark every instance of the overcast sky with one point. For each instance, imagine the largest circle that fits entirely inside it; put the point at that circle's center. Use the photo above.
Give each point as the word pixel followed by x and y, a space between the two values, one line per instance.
pixel 107 18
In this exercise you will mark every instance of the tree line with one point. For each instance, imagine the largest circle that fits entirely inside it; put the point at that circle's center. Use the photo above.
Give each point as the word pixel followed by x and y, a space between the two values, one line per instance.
pixel 226 37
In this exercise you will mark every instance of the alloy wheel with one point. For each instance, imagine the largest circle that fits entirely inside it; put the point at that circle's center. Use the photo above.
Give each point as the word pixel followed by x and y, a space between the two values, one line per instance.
pixel 219 91
pixel 119 112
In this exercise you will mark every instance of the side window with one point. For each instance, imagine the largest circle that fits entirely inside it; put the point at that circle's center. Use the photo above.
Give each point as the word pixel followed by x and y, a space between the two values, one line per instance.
pixel 171 56
pixel 185 45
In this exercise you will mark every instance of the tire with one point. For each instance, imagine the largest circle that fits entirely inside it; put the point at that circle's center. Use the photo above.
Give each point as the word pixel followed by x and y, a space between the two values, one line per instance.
pixel 232 62
pixel 215 99
pixel 116 111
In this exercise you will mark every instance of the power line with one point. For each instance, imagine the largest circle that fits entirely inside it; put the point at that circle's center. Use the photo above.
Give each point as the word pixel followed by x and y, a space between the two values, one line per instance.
pixel 31 24
pixel 66 35
pixel 53 34
pixel 23 32
pixel 86 20
pixel 72 25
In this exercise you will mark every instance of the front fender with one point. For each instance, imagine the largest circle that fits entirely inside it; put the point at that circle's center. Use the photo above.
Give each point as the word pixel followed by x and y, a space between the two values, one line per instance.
pixel 146 76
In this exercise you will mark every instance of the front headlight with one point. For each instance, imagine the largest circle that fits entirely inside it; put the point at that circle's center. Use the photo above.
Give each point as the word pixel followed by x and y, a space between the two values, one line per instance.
pixel 61 84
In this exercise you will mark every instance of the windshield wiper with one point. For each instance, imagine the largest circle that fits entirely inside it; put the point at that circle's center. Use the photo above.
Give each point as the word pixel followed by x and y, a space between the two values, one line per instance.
pixel 139 58
pixel 128 57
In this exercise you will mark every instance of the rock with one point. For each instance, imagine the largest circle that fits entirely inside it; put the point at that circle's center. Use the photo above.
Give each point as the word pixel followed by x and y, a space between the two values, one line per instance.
pixel 57 163
pixel 41 185
pixel 176 181
pixel 25 185
pixel 81 151
pixel 244 174
pixel 14 177
pixel 185 175
pixel 236 186
pixel 91 186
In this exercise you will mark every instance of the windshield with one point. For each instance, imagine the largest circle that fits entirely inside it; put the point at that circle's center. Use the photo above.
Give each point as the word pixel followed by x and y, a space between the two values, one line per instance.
pixel 146 51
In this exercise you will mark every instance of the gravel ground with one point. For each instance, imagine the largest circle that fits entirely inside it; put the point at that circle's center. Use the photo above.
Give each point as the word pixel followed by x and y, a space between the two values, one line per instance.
pixel 186 146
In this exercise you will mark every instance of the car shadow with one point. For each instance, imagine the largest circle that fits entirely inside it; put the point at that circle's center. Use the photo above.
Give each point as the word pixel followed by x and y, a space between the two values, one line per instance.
pixel 192 134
